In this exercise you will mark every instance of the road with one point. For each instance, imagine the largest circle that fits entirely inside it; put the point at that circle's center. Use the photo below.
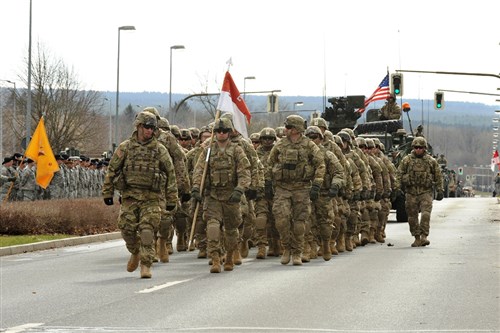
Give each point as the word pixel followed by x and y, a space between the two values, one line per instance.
pixel 451 286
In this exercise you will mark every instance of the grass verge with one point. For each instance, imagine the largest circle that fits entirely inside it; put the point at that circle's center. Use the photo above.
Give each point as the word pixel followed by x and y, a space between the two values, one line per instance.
pixel 28 239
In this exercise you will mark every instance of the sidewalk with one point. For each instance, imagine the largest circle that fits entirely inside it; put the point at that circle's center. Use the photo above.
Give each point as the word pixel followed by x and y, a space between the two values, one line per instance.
pixel 18 249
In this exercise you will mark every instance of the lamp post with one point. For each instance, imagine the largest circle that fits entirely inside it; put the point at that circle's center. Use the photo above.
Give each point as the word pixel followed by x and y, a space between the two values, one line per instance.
pixel 245 85
pixel 297 104
pixel 173 47
pixel 125 27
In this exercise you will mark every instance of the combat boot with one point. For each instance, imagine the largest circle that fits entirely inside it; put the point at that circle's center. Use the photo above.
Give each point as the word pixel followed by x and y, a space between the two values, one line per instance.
pixel 306 255
pixel 355 241
pixel 416 243
pixel 313 254
pixel 340 245
pixel 244 248
pixel 237 257
pixel 277 248
pixel 333 248
pixel 181 244
pixel 270 251
pixel 327 254
pixel 133 262
pixel 371 237
pixel 228 264
pixel 424 241
pixel 145 272
pixel 170 248
pixel 348 243
pixel 192 246
pixel 215 268
pixel 202 253
pixel 162 250
pixel 379 237
pixel 364 238
pixel 285 258
pixel 261 252
pixel 297 261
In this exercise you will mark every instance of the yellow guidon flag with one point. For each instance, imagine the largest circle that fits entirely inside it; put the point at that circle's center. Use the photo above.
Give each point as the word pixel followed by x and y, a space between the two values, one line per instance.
pixel 39 151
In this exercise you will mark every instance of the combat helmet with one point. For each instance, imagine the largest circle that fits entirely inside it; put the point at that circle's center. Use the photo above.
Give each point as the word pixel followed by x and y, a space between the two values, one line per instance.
pixel 175 130
pixel 314 130
pixel 185 134
pixel 320 122
pixel 280 131
pixel 223 124
pixel 337 140
pixel 195 132
pixel 381 147
pixel 153 110
pixel 164 124
pixel 419 142
pixel 344 136
pixel 145 118
pixel 369 143
pixel 329 135
pixel 376 141
pixel 267 132
pixel 254 137
pixel 296 122
pixel 360 141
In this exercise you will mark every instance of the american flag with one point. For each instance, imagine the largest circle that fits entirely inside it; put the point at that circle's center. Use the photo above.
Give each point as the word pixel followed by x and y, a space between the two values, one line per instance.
pixel 382 92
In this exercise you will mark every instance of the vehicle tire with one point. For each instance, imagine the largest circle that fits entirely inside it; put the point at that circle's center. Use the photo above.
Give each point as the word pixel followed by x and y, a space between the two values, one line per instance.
pixel 399 206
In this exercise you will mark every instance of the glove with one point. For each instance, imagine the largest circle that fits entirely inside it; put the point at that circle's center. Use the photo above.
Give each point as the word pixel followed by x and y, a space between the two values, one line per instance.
pixel 195 193
pixel 378 196
pixel 11 179
pixel 356 196
pixel 268 190
pixel 185 197
pixel 108 201
pixel 439 196
pixel 314 193
pixel 236 195
pixel 120 199
pixel 171 207
pixel 334 191
pixel 386 194
pixel 251 194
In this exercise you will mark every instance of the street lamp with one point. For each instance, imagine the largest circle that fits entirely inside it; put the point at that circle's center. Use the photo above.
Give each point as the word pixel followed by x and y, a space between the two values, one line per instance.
pixel 297 104
pixel 245 84
pixel 125 27
pixel 173 47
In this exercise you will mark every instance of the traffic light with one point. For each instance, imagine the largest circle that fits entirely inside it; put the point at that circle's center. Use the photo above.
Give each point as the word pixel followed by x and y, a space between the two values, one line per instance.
pixel 397 84
pixel 439 100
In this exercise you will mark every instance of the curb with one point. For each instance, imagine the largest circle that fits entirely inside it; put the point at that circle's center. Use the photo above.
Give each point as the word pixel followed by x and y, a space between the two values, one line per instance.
pixel 18 249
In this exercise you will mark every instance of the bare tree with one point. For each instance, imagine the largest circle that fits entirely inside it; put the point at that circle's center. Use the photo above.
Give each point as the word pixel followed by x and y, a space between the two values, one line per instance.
pixel 72 116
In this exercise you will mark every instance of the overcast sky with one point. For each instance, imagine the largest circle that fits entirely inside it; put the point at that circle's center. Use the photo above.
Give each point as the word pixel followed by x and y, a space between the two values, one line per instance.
pixel 296 46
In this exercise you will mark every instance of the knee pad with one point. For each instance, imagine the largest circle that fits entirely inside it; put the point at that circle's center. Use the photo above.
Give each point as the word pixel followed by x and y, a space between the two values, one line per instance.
pixel 147 237
pixel 213 230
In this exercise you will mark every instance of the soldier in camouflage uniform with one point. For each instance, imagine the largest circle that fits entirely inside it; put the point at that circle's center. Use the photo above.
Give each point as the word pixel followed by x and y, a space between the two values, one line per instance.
pixel 166 138
pixel 57 185
pixel 322 215
pixel 191 158
pixel 418 174
pixel 280 132
pixel 296 170
pixel 142 170
pixel 255 138
pixel 28 184
pixel 385 202
pixel 391 110
pixel 228 173
pixel 247 202
pixel 265 226
pixel 7 177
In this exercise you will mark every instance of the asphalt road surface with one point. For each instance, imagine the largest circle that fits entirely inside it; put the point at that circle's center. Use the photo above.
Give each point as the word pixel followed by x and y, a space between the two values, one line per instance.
pixel 453 285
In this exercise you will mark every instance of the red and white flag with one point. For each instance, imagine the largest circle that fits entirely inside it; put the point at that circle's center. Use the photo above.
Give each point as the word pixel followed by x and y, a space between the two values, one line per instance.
pixel 231 101
pixel 495 161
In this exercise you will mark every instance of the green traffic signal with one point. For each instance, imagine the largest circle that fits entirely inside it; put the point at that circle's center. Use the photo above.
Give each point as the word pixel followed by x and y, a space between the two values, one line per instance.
pixel 396 91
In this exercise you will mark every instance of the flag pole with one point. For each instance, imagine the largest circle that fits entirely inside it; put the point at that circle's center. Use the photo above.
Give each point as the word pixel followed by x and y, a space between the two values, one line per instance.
pixel 203 177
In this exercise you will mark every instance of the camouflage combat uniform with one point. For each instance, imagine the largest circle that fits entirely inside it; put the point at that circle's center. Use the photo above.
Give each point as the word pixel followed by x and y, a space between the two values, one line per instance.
pixel 417 176
pixel 144 175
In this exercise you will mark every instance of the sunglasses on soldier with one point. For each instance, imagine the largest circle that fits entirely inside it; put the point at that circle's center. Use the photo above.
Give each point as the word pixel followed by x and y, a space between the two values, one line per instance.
pixel 222 130
pixel 148 126
pixel 288 127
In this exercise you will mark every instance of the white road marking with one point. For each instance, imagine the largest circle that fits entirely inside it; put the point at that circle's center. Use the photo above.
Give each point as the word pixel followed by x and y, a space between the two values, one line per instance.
pixel 22 328
pixel 161 286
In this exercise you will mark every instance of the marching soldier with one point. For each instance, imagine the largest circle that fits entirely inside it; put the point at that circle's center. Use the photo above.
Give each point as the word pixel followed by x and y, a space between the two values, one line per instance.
pixel 142 170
